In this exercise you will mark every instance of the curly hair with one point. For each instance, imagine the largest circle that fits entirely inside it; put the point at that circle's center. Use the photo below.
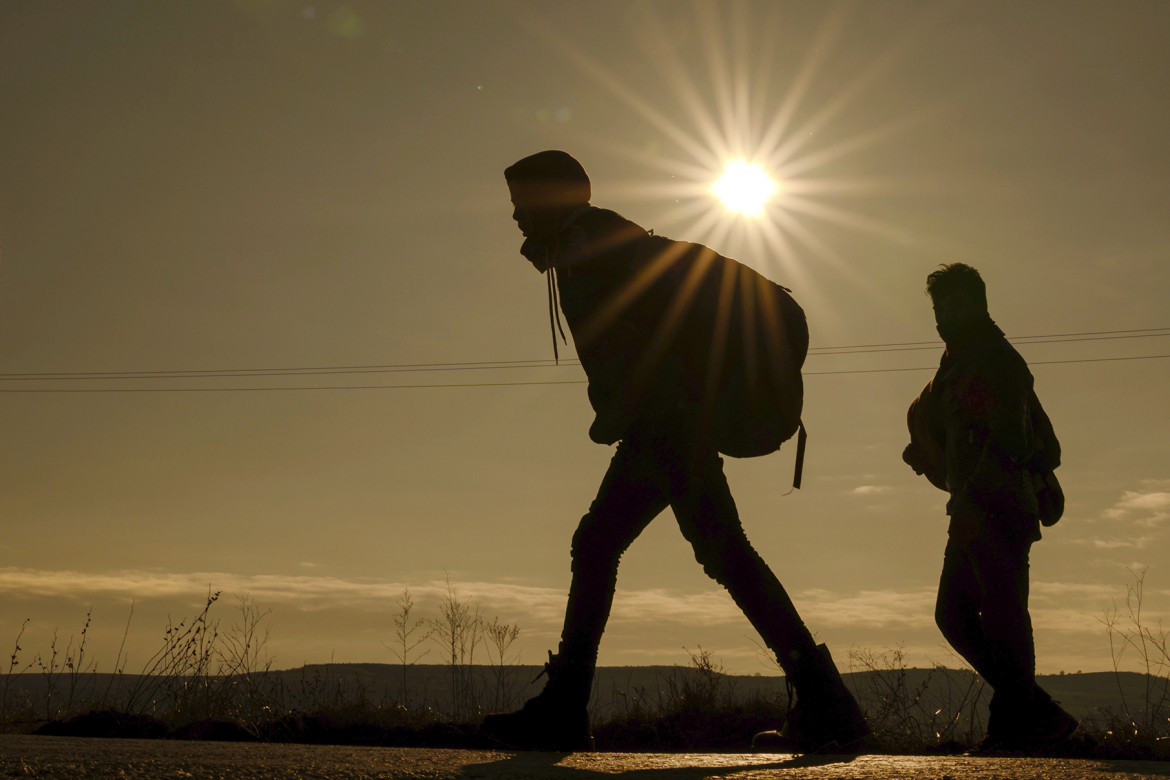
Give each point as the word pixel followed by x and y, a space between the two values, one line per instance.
pixel 957 279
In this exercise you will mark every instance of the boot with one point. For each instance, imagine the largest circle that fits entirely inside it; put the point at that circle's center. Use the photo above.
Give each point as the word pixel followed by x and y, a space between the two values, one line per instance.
pixel 1024 724
pixel 1050 722
pixel 1005 725
pixel 556 719
pixel 825 718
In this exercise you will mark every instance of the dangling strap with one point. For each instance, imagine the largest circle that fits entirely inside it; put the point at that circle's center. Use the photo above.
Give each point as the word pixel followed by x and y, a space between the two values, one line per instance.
pixel 554 313
pixel 801 439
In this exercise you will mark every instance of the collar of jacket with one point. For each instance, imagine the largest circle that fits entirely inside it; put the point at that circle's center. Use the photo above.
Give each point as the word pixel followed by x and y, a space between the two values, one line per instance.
pixel 970 334
pixel 568 238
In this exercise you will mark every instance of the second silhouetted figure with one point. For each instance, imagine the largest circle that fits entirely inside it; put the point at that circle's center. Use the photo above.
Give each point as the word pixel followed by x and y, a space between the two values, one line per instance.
pixel 978 431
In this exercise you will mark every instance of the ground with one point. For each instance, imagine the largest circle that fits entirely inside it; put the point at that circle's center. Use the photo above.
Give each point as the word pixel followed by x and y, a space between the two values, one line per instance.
pixel 59 758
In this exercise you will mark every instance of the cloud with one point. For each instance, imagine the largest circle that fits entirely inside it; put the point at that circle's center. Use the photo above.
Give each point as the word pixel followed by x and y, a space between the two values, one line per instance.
pixel 1070 590
pixel 869 608
pixel 305 592
pixel 1080 608
pixel 1118 544
pixel 827 609
pixel 870 490
pixel 1056 606
pixel 1150 501
pixel 1147 509
pixel 509 601
pixel 651 624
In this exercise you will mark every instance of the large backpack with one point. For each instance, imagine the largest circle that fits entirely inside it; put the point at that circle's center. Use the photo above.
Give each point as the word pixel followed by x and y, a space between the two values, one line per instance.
pixel 742 339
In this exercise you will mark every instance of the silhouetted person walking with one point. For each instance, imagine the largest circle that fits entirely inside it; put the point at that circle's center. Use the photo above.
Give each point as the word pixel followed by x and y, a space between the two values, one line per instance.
pixel 978 431
pixel 615 296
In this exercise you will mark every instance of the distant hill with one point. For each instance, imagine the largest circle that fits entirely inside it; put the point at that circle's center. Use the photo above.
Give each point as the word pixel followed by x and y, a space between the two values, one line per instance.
pixel 918 693
pixel 616 688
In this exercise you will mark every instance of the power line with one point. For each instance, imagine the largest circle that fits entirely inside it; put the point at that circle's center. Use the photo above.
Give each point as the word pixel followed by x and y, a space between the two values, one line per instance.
pixel 1021 340
pixel 265 389
pixel 504 384
pixel 1164 331
pixel 286 371
pixel 1030 363
pixel 511 364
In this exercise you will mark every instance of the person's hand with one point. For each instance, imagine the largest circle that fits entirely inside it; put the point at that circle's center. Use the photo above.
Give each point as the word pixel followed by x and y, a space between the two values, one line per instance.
pixel 537 253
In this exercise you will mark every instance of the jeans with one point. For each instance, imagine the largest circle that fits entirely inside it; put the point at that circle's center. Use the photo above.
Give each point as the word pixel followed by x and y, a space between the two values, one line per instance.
pixel 662 461
pixel 982 611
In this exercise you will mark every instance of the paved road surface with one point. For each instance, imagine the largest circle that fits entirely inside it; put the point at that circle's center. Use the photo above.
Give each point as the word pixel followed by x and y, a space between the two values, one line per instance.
pixel 71 758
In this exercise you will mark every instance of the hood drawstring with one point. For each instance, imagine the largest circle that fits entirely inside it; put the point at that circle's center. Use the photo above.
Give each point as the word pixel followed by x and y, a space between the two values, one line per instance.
pixel 554 313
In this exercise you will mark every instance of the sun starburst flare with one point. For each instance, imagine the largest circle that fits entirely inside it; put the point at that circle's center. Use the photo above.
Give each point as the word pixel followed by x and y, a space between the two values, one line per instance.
pixel 746 143
pixel 744 188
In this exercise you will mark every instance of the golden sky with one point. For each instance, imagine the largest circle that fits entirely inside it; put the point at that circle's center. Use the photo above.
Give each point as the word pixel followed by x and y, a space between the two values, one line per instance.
pixel 264 326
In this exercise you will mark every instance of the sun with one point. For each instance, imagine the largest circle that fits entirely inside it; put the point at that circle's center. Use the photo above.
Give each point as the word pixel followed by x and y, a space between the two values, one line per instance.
pixel 744 188
pixel 742 158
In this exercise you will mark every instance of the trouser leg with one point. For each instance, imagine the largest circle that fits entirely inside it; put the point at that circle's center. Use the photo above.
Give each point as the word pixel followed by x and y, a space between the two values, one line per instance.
pixel 1001 566
pixel 709 520
pixel 557 718
pixel 626 502
pixel 825 716
pixel 982 611
pixel 957 610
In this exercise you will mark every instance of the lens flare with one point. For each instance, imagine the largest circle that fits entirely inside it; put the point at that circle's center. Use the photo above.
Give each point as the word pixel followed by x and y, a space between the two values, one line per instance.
pixel 745 144
pixel 744 188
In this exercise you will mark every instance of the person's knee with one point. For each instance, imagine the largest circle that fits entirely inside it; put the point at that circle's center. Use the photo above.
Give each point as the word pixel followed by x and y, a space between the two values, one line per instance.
pixel 724 556
pixel 945 618
pixel 593 545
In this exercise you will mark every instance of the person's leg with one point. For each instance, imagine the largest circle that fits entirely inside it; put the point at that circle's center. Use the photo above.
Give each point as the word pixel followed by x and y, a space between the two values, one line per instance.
pixel 557 718
pixel 958 615
pixel 1028 717
pixel 1000 564
pixel 626 502
pixel 709 520
pixel 957 609
pixel 826 713
pixel 987 621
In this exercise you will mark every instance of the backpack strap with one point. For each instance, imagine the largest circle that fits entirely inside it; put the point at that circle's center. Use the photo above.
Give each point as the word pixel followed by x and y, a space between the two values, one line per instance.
pixel 801 438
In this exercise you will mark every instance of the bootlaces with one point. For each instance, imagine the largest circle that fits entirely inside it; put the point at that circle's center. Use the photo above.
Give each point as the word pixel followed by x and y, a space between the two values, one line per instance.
pixel 551 658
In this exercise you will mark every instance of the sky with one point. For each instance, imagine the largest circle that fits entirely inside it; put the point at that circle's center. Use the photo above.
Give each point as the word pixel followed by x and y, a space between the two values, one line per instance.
pixel 265 329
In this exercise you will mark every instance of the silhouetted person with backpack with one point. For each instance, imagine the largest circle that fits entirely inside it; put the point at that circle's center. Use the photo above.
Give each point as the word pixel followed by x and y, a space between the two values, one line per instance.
pixel 632 313
pixel 978 431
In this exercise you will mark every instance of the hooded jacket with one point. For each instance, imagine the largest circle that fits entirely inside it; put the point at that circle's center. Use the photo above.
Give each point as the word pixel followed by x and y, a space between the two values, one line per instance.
pixel 662 325
pixel 610 289
pixel 979 413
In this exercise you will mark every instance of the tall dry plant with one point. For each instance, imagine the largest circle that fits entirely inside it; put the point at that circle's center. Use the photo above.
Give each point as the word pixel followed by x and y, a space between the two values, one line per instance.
pixel 916 710
pixel 500 638
pixel 1148 720
pixel 457 632
pixel 407 640
pixel 8 708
